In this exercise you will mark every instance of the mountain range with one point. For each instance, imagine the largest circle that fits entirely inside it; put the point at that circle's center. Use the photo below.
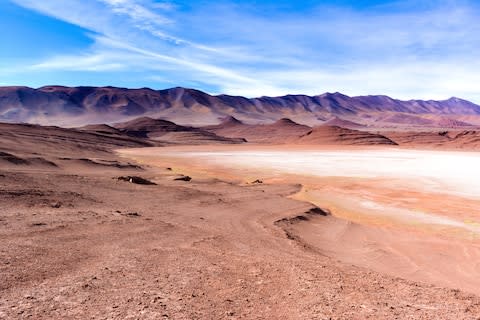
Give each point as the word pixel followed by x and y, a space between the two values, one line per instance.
pixel 77 106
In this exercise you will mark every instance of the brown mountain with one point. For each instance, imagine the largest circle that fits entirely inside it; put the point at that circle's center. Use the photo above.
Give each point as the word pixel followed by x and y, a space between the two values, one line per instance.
pixel 100 128
pixel 280 131
pixel 332 135
pixel 76 106
pixel 167 131
pixel 343 123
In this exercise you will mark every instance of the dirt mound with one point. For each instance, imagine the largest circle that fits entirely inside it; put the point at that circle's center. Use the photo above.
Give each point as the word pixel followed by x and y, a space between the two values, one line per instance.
pixel 101 163
pixel 226 123
pixel 42 162
pixel 8 158
pixel 169 132
pixel 229 121
pixel 331 135
pixel 48 142
pixel 146 127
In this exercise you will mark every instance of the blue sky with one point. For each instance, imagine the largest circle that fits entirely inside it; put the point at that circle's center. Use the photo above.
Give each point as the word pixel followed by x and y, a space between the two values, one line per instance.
pixel 405 49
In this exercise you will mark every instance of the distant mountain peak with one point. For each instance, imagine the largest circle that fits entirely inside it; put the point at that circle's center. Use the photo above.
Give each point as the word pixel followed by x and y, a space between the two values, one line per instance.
pixel 333 95
pixel 456 99
pixel 286 121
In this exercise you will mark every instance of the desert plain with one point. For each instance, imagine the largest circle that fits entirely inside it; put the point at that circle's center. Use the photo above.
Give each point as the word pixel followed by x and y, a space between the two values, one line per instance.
pixel 257 232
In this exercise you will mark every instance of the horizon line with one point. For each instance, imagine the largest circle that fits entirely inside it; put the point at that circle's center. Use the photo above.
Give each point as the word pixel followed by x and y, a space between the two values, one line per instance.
pixel 223 94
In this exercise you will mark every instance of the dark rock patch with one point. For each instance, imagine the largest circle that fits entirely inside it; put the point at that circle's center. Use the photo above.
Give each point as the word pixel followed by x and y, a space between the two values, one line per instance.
pixel 184 178
pixel 106 163
pixel 317 211
pixel 8 157
pixel 42 161
pixel 132 214
pixel 136 180
pixel 38 224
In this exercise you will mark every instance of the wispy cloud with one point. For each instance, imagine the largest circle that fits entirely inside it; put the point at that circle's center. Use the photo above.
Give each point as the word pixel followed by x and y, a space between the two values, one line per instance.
pixel 422 51
pixel 87 62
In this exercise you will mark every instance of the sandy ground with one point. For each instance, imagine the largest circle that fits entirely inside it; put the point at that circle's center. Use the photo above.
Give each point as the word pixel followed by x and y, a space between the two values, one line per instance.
pixel 76 243
pixel 400 212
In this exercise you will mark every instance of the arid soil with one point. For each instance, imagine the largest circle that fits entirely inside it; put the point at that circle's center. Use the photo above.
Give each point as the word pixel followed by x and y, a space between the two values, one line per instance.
pixel 76 242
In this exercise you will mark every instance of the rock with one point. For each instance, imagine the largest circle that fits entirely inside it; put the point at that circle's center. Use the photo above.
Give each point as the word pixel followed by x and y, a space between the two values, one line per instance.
pixel 38 224
pixel 317 211
pixel 257 181
pixel 56 205
pixel 136 180
pixel 132 214
pixel 184 178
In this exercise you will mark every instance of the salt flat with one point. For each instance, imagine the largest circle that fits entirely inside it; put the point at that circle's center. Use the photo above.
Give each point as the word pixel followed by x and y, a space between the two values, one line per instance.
pixel 441 171
pixel 434 173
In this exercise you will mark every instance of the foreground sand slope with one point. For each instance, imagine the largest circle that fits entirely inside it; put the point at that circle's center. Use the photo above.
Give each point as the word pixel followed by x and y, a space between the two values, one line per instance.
pixel 77 245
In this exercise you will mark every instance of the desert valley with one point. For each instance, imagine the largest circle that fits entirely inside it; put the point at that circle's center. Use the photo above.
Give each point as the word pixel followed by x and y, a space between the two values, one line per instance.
pixel 181 205
pixel 239 159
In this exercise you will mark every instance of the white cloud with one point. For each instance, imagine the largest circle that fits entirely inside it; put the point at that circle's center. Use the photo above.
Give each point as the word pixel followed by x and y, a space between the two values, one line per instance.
pixel 136 12
pixel 88 62
pixel 166 6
